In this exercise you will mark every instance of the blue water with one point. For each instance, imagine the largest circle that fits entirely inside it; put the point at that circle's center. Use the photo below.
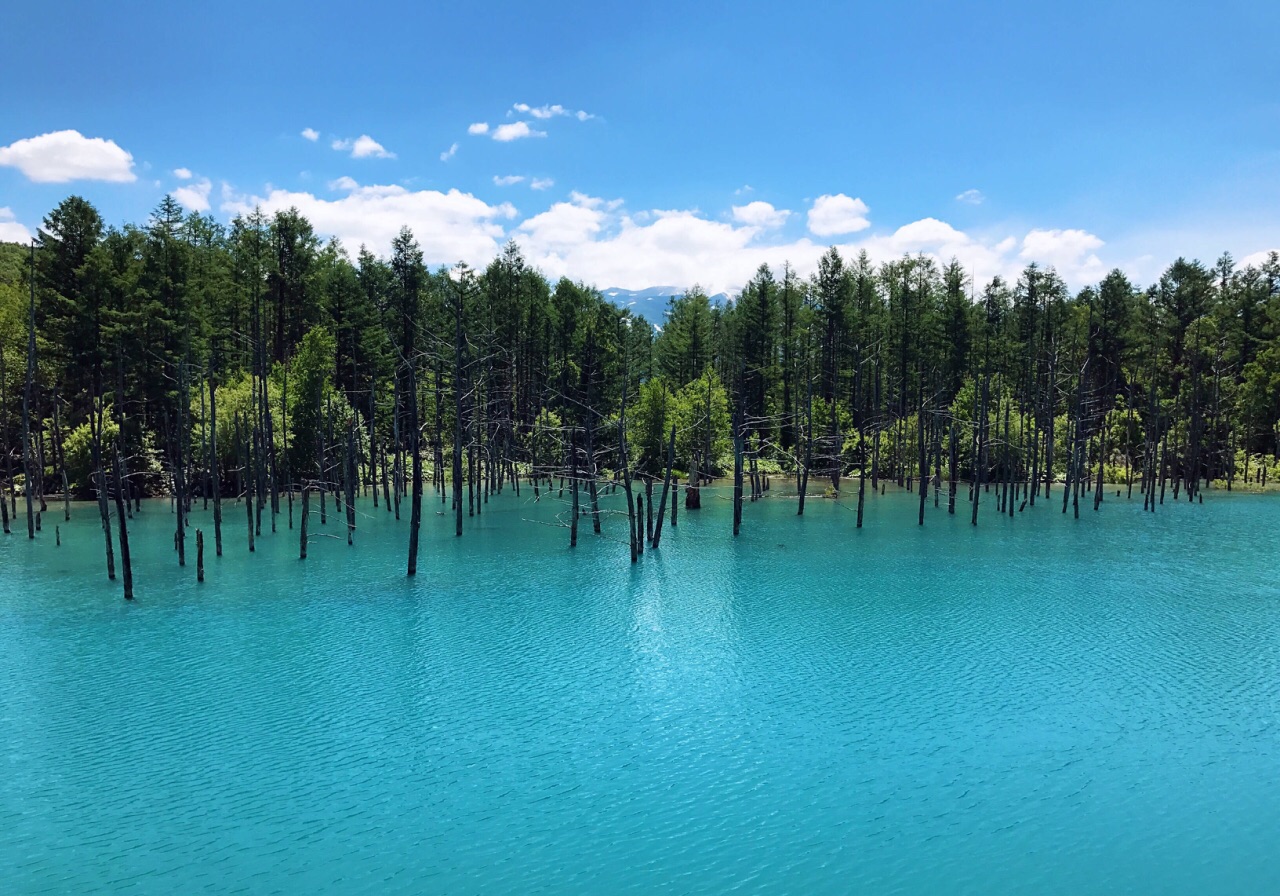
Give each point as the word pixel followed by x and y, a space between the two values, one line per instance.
pixel 1039 705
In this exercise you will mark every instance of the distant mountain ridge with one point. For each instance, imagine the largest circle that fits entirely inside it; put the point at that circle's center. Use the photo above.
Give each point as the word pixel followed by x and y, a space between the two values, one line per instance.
pixel 651 302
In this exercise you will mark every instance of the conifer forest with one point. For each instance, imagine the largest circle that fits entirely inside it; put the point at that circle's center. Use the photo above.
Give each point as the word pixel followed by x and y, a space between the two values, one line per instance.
pixel 260 371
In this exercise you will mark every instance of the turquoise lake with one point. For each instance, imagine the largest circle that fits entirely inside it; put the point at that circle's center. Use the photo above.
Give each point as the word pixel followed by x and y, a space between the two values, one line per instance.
pixel 1037 705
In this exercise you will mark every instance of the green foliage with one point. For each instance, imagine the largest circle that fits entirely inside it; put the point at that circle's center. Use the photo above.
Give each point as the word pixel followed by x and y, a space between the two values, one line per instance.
pixel 310 373
pixel 649 426
pixel 701 414
pixel 77 448
pixel 144 316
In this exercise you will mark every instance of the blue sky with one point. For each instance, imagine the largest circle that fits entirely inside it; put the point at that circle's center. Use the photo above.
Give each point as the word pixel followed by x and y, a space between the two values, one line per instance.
pixel 713 136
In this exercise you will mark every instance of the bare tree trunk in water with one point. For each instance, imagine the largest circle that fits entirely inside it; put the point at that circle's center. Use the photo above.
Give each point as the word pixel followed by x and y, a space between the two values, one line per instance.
pixel 592 487
pixel 641 504
pixel 246 449
pixel 737 470
pixel 666 487
pixel 8 465
pixel 924 461
pixel 808 446
pixel 60 457
pixel 415 440
pixel 862 471
pixel 648 510
pixel 980 446
pixel 1102 460
pixel 352 472
pixel 126 563
pixel 306 515
pixel 951 474
pixel 573 485
pixel 626 474
pixel 214 474
pixel 95 426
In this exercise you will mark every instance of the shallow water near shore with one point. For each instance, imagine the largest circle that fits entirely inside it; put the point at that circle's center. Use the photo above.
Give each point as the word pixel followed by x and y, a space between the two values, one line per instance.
pixel 1036 705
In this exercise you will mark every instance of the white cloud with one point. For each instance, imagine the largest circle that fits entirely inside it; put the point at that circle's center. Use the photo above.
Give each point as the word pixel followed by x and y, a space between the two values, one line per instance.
pixel 744 190
pixel 507 180
pixel 310 134
pixel 542 113
pixel 516 130
pixel 971 197
pixel 449 153
pixel 760 214
pixel 10 230
pixel 565 226
pixel 449 226
pixel 1257 259
pixel 363 147
pixel 838 214
pixel 63 156
pixel 344 184
pixel 592 239
pixel 182 173
pixel 541 183
pixel 1072 252
pixel 195 196
pixel 480 127
pixel 600 242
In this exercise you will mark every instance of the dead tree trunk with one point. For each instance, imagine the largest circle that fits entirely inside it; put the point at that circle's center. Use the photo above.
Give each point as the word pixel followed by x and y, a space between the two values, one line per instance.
pixel 951 473
pixel 246 463
pixel 215 475
pixel 126 563
pixel 737 470
pixel 593 488
pixel 415 442
pixel 352 473
pixel 95 427
pixel 666 487
pixel 573 485
pixel 306 515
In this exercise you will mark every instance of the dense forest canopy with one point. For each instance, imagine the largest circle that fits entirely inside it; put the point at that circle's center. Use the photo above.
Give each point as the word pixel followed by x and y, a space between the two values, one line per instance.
pixel 258 357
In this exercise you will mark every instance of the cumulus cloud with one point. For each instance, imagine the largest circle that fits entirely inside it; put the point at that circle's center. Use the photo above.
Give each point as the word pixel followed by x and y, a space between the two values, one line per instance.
pixel 760 214
pixel 62 156
pixel 971 197
pixel 516 130
pixel 195 196
pixel 449 226
pixel 449 153
pixel 479 128
pixel 363 147
pixel 565 227
pixel 310 134
pixel 541 183
pixel 601 242
pixel 507 180
pixel 182 173
pixel 1072 252
pixel 1257 259
pixel 838 214
pixel 10 230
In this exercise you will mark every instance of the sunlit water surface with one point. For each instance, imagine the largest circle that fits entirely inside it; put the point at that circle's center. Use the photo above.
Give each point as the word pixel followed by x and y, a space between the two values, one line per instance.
pixel 1037 705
